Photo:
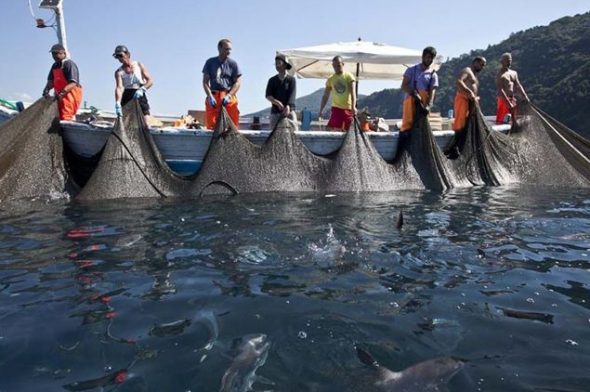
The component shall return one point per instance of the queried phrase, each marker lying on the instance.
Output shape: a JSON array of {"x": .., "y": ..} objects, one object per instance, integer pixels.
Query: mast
[{"x": 57, "y": 7}]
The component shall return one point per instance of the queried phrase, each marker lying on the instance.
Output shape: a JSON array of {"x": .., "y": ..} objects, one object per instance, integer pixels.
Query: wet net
[
  {"x": 131, "y": 165},
  {"x": 538, "y": 151},
  {"x": 284, "y": 164},
  {"x": 480, "y": 156},
  {"x": 32, "y": 156},
  {"x": 549, "y": 153}
]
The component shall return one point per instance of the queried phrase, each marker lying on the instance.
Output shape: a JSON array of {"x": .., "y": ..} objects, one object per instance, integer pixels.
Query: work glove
[
  {"x": 140, "y": 92},
  {"x": 212, "y": 101},
  {"x": 118, "y": 109},
  {"x": 45, "y": 93},
  {"x": 226, "y": 100}
]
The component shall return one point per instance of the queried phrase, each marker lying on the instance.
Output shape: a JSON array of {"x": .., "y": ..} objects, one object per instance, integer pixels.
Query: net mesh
[{"x": 539, "y": 150}]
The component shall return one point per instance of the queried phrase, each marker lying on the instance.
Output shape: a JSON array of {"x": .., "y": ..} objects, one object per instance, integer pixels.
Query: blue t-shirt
[
  {"x": 421, "y": 79},
  {"x": 222, "y": 75}
]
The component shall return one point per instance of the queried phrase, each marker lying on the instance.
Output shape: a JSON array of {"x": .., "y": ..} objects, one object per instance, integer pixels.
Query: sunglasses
[{"x": 119, "y": 56}]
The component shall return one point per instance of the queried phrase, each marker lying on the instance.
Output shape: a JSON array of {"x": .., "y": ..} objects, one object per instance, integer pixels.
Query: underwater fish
[
  {"x": 400, "y": 220},
  {"x": 428, "y": 376},
  {"x": 252, "y": 351},
  {"x": 535, "y": 316},
  {"x": 114, "y": 378}
]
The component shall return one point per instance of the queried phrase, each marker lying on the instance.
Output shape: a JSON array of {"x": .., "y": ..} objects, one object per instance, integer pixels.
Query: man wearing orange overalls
[
  {"x": 64, "y": 79},
  {"x": 221, "y": 82}
]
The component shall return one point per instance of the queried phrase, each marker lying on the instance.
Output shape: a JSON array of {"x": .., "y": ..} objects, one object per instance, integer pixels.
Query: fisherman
[
  {"x": 132, "y": 81},
  {"x": 467, "y": 92},
  {"x": 506, "y": 83},
  {"x": 342, "y": 86},
  {"x": 64, "y": 79},
  {"x": 221, "y": 82},
  {"x": 419, "y": 83},
  {"x": 281, "y": 90}
]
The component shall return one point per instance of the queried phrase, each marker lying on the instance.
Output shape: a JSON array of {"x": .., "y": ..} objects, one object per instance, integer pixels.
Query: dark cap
[
  {"x": 283, "y": 59},
  {"x": 57, "y": 48},
  {"x": 120, "y": 49}
]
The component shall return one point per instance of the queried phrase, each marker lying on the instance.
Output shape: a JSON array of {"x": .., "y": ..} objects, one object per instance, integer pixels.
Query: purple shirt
[
  {"x": 222, "y": 75},
  {"x": 420, "y": 79}
]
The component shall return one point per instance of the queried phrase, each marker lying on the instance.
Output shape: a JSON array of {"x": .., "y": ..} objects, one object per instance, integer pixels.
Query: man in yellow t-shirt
[{"x": 342, "y": 87}]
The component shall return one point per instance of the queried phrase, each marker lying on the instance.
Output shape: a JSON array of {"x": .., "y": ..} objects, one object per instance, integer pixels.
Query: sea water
[{"x": 152, "y": 295}]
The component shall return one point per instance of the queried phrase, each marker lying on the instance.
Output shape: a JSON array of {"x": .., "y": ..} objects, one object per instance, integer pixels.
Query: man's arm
[
  {"x": 236, "y": 86},
  {"x": 48, "y": 87},
  {"x": 149, "y": 82},
  {"x": 352, "y": 87},
  {"x": 406, "y": 86},
  {"x": 271, "y": 98},
  {"x": 118, "y": 87},
  {"x": 292, "y": 96},
  {"x": 325, "y": 99}
]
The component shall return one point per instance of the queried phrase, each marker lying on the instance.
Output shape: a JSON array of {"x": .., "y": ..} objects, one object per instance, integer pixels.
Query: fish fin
[
  {"x": 366, "y": 358},
  {"x": 400, "y": 220}
]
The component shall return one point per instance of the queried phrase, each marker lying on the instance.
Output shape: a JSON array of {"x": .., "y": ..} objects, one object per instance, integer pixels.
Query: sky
[{"x": 174, "y": 38}]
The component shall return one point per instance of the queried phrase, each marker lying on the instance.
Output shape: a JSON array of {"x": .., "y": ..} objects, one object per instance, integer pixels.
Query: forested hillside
[{"x": 553, "y": 63}]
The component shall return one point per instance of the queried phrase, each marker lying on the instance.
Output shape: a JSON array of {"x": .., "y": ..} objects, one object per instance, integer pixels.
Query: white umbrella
[{"x": 366, "y": 60}]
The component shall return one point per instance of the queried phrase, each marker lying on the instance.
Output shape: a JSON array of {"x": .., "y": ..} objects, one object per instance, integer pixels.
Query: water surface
[{"x": 150, "y": 295}]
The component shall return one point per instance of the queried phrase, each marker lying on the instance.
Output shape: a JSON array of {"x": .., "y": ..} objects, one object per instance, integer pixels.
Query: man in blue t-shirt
[{"x": 221, "y": 82}]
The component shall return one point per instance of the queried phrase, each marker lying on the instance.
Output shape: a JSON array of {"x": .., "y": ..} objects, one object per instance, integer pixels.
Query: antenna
[
  {"x": 50, "y": 4},
  {"x": 57, "y": 7}
]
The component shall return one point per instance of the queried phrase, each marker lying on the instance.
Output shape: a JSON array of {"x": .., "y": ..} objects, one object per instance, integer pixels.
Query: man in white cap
[{"x": 281, "y": 91}]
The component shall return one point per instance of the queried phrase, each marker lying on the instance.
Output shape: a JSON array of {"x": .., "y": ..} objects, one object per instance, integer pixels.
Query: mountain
[
  {"x": 311, "y": 102},
  {"x": 553, "y": 63}
]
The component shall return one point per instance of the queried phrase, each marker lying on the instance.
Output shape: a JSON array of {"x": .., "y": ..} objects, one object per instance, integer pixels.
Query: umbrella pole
[
  {"x": 358, "y": 71},
  {"x": 356, "y": 87}
]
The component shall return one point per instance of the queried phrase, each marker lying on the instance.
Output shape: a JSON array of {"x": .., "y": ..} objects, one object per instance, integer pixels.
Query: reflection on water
[{"x": 154, "y": 295}]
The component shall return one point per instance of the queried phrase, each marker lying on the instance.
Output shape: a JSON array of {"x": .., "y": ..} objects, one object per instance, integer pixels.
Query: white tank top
[{"x": 132, "y": 80}]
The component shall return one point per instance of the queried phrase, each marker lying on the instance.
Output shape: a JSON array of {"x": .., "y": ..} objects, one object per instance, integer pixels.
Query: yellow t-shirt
[{"x": 341, "y": 94}]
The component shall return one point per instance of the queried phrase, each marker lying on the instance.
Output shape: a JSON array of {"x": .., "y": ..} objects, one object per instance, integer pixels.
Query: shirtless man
[
  {"x": 507, "y": 84},
  {"x": 467, "y": 89}
]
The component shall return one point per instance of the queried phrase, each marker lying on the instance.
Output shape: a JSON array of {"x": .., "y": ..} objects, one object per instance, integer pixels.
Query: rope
[{"x": 137, "y": 163}]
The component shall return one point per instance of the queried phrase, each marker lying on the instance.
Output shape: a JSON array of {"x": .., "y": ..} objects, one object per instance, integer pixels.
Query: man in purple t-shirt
[
  {"x": 221, "y": 82},
  {"x": 420, "y": 84}
]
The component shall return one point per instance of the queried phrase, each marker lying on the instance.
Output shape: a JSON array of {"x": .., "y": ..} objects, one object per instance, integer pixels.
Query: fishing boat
[{"x": 185, "y": 149}]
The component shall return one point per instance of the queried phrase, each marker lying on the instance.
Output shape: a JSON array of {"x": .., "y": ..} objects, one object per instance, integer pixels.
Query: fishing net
[
  {"x": 549, "y": 153},
  {"x": 480, "y": 156},
  {"x": 131, "y": 165},
  {"x": 235, "y": 165},
  {"x": 539, "y": 150},
  {"x": 31, "y": 155}
]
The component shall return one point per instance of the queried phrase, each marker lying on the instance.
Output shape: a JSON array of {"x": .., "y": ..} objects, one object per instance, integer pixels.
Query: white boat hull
[{"x": 184, "y": 149}]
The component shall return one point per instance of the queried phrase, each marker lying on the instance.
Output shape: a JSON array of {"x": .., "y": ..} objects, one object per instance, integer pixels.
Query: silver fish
[
  {"x": 251, "y": 354},
  {"x": 428, "y": 376}
]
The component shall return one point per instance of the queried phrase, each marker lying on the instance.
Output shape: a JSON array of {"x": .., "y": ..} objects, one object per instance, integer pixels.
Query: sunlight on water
[{"x": 296, "y": 292}]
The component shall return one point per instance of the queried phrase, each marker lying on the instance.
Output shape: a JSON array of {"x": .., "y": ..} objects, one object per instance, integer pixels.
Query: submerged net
[
  {"x": 131, "y": 165},
  {"x": 31, "y": 155}
]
